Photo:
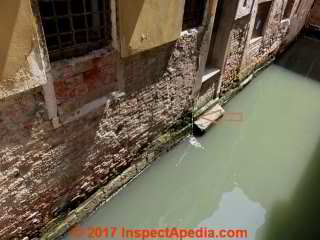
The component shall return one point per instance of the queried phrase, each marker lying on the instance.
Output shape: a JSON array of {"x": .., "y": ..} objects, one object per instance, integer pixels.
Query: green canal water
[{"x": 261, "y": 173}]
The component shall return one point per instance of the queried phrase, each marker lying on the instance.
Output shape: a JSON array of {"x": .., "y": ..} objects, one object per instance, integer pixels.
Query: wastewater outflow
[{"x": 260, "y": 173}]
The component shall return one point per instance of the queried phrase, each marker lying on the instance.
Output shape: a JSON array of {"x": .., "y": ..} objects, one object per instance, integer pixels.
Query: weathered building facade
[{"x": 89, "y": 89}]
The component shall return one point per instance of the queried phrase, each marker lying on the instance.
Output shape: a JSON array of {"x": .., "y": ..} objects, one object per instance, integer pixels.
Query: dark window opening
[
  {"x": 193, "y": 13},
  {"x": 215, "y": 29},
  {"x": 75, "y": 27},
  {"x": 261, "y": 19},
  {"x": 288, "y": 10}
]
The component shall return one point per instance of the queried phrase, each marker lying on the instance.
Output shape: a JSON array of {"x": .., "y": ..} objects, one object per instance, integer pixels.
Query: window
[
  {"x": 288, "y": 10},
  {"x": 193, "y": 13},
  {"x": 75, "y": 27},
  {"x": 261, "y": 19}
]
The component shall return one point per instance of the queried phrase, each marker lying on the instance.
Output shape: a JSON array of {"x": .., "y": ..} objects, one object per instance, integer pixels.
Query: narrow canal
[{"x": 261, "y": 173}]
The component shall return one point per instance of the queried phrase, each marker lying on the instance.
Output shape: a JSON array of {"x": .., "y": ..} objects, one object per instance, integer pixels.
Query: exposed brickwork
[
  {"x": 238, "y": 39},
  {"x": 78, "y": 83},
  {"x": 46, "y": 171},
  {"x": 315, "y": 14},
  {"x": 245, "y": 55},
  {"x": 261, "y": 50}
]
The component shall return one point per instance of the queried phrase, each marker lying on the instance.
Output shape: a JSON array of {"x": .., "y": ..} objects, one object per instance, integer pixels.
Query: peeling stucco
[{"x": 21, "y": 66}]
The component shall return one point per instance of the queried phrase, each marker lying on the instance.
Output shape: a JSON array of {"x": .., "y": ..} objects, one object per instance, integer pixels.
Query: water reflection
[
  {"x": 236, "y": 211},
  {"x": 261, "y": 173}
]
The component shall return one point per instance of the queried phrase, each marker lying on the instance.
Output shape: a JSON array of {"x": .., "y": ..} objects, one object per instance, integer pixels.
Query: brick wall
[
  {"x": 45, "y": 172},
  {"x": 258, "y": 52},
  {"x": 244, "y": 55},
  {"x": 78, "y": 82},
  {"x": 237, "y": 43}
]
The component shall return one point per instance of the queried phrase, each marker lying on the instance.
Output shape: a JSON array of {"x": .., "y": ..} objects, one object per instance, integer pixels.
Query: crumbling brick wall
[
  {"x": 237, "y": 43},
  {"x": 244, "y": 56},
  {"x": 45, "y": 172}
]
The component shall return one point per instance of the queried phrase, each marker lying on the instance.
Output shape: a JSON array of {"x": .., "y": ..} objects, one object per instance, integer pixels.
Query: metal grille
[
  {"x": 75, "y": 27},
  {"x": 193, "y": 13}
]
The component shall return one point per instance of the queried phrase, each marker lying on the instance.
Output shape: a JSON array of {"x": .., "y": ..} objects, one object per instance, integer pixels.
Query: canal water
[{"x": 258, "y": 169}]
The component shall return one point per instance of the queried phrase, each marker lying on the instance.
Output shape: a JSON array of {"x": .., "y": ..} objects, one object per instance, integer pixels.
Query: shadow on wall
[
  {"x": 50, "y": 171},
  {"x": 299, "y": 218},
  {"x": 47, "y": 163},
  {"x": 147, "y": 68},
  {"x": 303, "y": 58},
  {"x": 60, "y": 167},
  {"x": 8, "y": 16}
]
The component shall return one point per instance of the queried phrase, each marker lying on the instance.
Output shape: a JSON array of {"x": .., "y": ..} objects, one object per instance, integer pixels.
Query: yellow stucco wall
[
  {"x": 145, "y": 24},
  {"x": 20, "y": 61}
]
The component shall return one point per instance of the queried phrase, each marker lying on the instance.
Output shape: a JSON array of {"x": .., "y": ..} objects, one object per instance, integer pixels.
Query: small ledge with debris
[{"x": 206, "y": 120}]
